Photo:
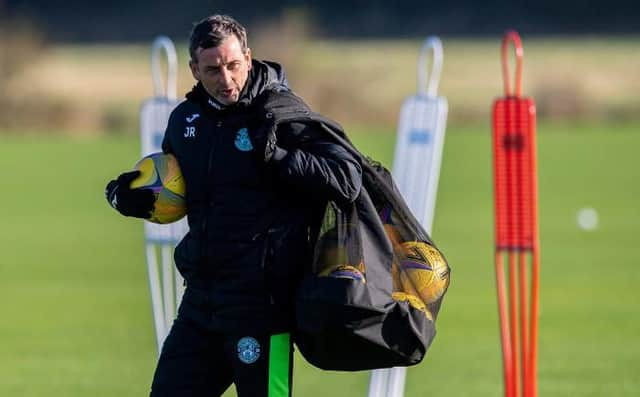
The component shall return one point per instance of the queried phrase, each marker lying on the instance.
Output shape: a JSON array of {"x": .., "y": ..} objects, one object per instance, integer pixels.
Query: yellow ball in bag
[{"x": 423, "y": 271}]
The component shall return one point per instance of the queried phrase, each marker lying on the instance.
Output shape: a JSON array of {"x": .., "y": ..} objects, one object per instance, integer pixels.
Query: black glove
[
  {"x": 130, "y": 202},
  {"x": 264, "y": 141}
]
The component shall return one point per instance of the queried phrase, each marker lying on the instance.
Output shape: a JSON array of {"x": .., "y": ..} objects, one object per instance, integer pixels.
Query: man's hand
[{"x": 130, "y": 202}]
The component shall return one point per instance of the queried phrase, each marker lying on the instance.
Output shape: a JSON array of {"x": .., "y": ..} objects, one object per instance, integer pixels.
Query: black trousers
[{"x": 196, "y": 362}]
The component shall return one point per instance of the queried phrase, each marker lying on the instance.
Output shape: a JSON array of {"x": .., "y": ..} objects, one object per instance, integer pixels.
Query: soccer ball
[
  {"x": 414, "y": 302},
  {"x": 395, "y": 277},
  {"x": 393, "y": 234},
  {"x": 332, "y": 258},
  {"x": 348, "y": 272},
  {"x": 160, "y": 172},
  {"x": 424, "y": 273}
]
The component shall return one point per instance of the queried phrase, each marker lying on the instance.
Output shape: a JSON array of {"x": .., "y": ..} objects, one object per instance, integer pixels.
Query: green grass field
[{"x": 76, "y": 317}]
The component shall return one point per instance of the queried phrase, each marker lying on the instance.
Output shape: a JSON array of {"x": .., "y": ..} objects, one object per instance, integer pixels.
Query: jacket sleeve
[
  {"x": 318, "y": 167},
  {"x": 166, "y": 144},
  {"x": 166, "y": 140}
]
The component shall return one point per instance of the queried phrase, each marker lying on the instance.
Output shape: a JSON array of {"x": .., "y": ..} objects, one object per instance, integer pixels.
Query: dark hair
[{"x": 212, "y": 31}]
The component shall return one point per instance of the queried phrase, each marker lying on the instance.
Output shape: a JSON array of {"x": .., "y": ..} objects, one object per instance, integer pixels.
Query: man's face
[{"x": 222, "y": 70}]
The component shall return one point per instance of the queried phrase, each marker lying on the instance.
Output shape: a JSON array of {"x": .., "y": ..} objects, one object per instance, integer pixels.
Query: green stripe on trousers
[{"x": 279, "y": 365}]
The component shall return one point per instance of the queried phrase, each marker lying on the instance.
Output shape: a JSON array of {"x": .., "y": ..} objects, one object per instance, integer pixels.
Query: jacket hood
[{"x": 264, "y": 75}]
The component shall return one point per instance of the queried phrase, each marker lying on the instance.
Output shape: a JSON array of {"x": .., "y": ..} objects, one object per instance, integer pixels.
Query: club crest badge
[
  {"x": 242, "y": 142},
  {"x": 248, "y": 350}
]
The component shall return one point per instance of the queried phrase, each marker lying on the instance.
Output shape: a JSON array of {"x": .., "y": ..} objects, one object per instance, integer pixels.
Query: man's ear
[
  {"x": 194, "y": 69},
  {"x": 247, "y": 55}
]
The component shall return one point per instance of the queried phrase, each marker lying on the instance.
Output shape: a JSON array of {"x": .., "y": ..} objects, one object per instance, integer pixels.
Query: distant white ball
[{"x": 587, "y": 219}]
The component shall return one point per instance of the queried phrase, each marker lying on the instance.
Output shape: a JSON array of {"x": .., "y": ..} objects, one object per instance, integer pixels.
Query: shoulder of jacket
[
  {"x": 185, "y": 109},
  {"x": 279, "y": 100}
]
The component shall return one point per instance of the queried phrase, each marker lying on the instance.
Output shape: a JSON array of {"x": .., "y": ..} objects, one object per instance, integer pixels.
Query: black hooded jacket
[{"x": 249, "y": 221}]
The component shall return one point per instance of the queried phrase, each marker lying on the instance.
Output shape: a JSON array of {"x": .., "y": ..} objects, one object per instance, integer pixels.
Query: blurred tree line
[
  {"x": 61, "y": 53},
  {"x": 120, "y": 20}
]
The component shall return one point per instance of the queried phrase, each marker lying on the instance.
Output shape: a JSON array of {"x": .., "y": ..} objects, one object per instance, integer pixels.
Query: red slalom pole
[{"x": 516, "y": 227}]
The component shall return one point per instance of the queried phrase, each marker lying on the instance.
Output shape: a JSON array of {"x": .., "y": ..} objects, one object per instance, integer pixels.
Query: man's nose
[{"x": 225, "y": 76}]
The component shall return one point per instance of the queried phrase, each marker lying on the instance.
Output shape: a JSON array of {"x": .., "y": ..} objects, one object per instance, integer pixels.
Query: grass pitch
[{"x": 76, "y": 317}]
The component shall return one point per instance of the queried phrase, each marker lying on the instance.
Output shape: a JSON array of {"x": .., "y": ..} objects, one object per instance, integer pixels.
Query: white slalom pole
[
  {"x": 168, "y": 283},
  {"x": 378, "y": 382},
  {"x": 165, "y": 284},
  {"x": 159, "y": 88},
  {"x": 416, "y": 170},
  {"x": 156, "y": 294}
]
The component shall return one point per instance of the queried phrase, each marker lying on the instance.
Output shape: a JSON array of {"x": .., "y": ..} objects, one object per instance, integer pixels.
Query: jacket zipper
[
  {"x": 266, "y": 265},
  {"x": 209, "y": 201}
]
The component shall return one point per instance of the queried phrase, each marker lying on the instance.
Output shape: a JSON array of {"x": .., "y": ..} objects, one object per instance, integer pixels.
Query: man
[{"x": 253, "y": 198}]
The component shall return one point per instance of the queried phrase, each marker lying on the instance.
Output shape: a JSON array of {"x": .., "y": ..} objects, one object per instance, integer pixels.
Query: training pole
[
  {"x": 165, "y": 284},
  {"x": 517, "y": 252},
  {"x": 416, "y": 170}
]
